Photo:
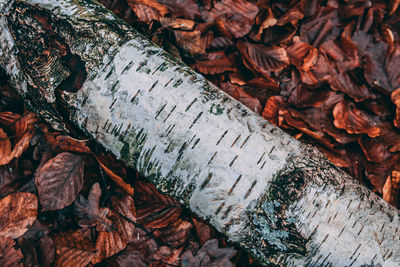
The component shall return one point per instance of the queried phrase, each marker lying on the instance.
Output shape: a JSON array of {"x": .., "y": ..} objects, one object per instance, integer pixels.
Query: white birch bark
[{"x": 279, "y": 199}]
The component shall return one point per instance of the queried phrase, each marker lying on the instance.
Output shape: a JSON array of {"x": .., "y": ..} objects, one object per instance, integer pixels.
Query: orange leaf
[{"x": 118, "y": 180}]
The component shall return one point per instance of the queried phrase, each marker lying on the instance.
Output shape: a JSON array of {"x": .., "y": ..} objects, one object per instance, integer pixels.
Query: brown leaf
[
  {"x": 165, "y": 256},
  {"x": 118, "y": 180},
  {"x": 190, "y": 42},
  {"x": 272, "y": 107},
  {"x": 18, "y": 212},
  {"x": 145, "y": 13},
  {"x": 377, "y": 172},
  {"x": 74, "y": 248},
  {"x": 373, "y": 149},
  {"x": 108, "y": 244},
  {"x": 235, "y": 21},
  {"x": 127, "y": 258},
  {"x": 5, "y": 148},
  {"x": 154, "y": 210},
  {"x": 215, "y": 66},
  {"x": 381, "y": 67},
  {"x": 391, "y": 189},
  {"x": 263, "y": 59},
  {"x": 353, "y": 120},
  {"x": 175, "y": 234},
  {"x": 59, "y": 181},
  {"x": 203, "y": 231},
  {"x": 238, "y": 92},
  {"x": 64, "y": 143},
  {"x": 396, "y": 100},
  {"x": 47, "y": 251},
  {"x": 69, "y": 257},
  {"x": 10, "y": 256},
  {"x": 179, "y": 24},
  {"x": 124, "y": 206}
]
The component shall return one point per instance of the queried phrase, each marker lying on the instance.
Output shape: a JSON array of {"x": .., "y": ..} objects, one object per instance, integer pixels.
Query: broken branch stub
[{"x": 279, "y": 199}]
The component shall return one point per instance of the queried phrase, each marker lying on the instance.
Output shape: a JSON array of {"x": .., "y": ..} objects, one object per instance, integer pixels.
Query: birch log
[{"x": 279, "y": 199}]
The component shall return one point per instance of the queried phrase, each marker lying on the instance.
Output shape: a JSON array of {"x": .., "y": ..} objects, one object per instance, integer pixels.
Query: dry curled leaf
[
  {"x": 353, "y": 120},
  {"x": 59, "y": 181},
  {"x": 18, "y": 212}
]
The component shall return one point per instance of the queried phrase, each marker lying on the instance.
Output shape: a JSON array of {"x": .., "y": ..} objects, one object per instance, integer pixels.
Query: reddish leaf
[
  {"x": 118, "y": 180},
  {"x": 262, "y": 58},
  {"x": 272, "y": 107},
  {"x": 126, "y": 207},
  {"x": 108, "y": 244},
  {"x": 165, "y": 256},
  {"x": 5, "y": 148},
  {"x": 74, "y": 248},
  {"x": 59, "y": 181},
  {"x": 396, "y": 100},
  {"x": 18, "y": 212},
  {"x": 190, "y": 42},
  {"x": 154, "y": 210},
  {"x": 215, "y": 66},
  {"x": 127, "y": 258},
  {"x": 353, "y": 120},
  {"x": 64, "y": 143},
  {"x": 391, "y": 189},
  {"x": 203, "y": 231},
  {"x": 179, "y": 24},
  {"x": 10, "y": 256},
  {"x": 175, "y": 234},
  {"x": 238, "y": 92}
]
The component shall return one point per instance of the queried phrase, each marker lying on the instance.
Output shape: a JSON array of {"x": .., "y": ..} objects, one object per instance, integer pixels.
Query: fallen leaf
[
  {"x": 175, "y": 234},
  {"x": 262, "y": 58},
  {"x": 353, "y": 120},
  {"x": 118, "y": 180},
  {"x": 10, "y": 256},
  {"x": 154, "y": 210},
  {"x": 125, "y": 208},
  {"x": 59, "y": 181},
  {"x": 18, "y": 212}
]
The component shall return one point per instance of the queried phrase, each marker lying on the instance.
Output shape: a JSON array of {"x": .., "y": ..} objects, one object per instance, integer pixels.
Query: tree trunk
[{"x": 279, "y": 199}]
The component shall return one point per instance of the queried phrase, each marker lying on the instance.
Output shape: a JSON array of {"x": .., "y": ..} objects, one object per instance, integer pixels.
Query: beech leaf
[
  {"x": 10, "y": 256},
  {"x": 59, "y": 181},
  {"x": 18, "y": 211}
]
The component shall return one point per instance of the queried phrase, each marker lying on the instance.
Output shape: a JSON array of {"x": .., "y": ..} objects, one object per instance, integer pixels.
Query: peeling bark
[{"x": 279, "y": 199}]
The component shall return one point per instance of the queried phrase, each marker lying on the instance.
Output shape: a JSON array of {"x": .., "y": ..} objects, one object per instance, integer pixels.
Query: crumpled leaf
[
  {"x": 59, "y": 181},
  {"x": 154, "y": 210},
  {"x": 166, "y": 256},
  {"x": 203, "y": 231},
  {"x": 263, "y": 59},
  {"x": 209, "y": 255},
  {"x": 354, "y": 121},
  {"x": 18, "y": 212},
  {"x": 272, "y": 107},
  {"x": 10, "y": 256},
  {"x": 240, "y": 94},
  {"x": 176, "y": 23},
  {"x": 64, "y": 143},
  {"x": 127, "y": 257}
]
